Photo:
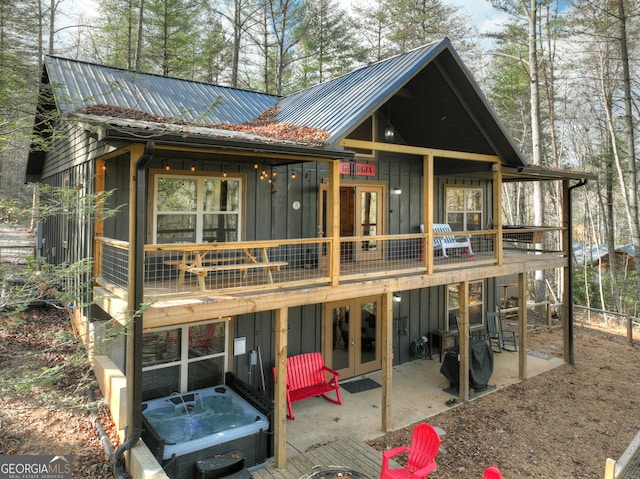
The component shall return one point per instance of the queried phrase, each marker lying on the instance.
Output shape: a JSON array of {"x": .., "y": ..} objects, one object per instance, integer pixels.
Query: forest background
[{"x": 562, "y": 76}]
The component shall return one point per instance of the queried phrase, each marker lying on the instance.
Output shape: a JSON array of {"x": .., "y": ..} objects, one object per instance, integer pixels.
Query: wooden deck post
[
  {"x": 333, "y": 218},
  {"x": 522, "y": 326},
  {"x": 427, "y": 207},
  {"x": 610, "y": 469},
  {"x": 387, "y": 360},
  {"x": 497, "y": 211},
  {"x": 280, "y": 393},
  {"x": 463, "y": 339}
]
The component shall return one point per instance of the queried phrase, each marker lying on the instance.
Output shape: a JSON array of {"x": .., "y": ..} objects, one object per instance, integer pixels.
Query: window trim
[
  {"x": 465, "y": 211},
  {"x": 482, "y": 303},
  {"x": 184, "y": 362},
  {"x": 156, "y": 173}
]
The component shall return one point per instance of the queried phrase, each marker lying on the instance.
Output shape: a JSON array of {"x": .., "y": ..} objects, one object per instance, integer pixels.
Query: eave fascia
[
  {"x": 269, "y": 148},
  {"x": 536, "y": 173}
]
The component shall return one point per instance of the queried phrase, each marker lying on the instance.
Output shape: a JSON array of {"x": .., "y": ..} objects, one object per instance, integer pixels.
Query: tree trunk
[
  {"x": 536, "y": 144},
  {"x": 138, "y": 60},
  {"x": 634, "y": 225},
  {"x": 237, "y": 37},
  {"x": 52, "y": 25},
  {"x": 608, "y": 212}
]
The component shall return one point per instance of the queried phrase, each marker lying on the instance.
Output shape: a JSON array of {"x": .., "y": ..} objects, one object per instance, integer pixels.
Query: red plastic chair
[
  {"x": 421, "y": 461},
  {"x": 492, "y": 473}
]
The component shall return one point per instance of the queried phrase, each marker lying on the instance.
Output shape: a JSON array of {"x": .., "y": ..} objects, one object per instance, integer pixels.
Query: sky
[{"x": 480, "y": 11}]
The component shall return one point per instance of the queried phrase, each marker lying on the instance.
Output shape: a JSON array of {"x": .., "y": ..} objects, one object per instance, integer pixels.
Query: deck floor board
[{"x": 345, "y": 453}]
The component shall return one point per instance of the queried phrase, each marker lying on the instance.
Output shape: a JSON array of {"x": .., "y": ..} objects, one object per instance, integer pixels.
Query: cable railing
[{"x": 181, "y": 268}]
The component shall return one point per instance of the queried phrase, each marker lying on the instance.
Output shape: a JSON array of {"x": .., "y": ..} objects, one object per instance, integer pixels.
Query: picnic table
[{"x": 201, "y": 261}]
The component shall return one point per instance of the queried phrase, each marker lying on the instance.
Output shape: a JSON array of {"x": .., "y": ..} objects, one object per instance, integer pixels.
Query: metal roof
[
  {"x": 339, "y": 105},
  {"x": 80, "y": 84},
  {"x": 427, "y": 94},
  {"x": 433, "y": 97}
]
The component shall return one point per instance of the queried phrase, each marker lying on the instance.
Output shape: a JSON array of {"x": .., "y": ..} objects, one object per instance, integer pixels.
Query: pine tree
[{"x": 325, "y": 51}]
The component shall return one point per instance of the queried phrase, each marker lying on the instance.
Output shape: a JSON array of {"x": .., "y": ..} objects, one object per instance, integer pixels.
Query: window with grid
[
  {"x": 464, "y": 208},
  {"x": 197, "y": 209},
  {"x": 475, "y": 304},
  {"x": 183, "y": 358}
]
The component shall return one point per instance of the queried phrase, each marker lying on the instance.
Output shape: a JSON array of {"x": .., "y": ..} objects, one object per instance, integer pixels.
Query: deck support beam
[
  {"x": 280, "y": 385},
  {"x": 334, "y": 221},
  {"x": 497, "y": 212},
  {"x": 463, "y": 337},
  {"x": 387, "y": 360},
  {"x": 427, "y": 207},
  {"x": 522, "y": 326}
]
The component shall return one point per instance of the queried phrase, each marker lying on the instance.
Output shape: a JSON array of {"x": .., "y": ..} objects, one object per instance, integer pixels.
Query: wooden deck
[
  {"x": 345, "y": 453},
  {"x": 249, "y": 281}
]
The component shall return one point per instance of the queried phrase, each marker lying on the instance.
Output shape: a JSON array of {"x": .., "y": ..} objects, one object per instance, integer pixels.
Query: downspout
[
  {"x": 134, "y": 338},
  {"x": 572, "y": 359}
]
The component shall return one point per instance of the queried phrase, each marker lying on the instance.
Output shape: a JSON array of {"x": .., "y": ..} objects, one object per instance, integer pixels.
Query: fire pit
[{"x": 333, "y": 472}]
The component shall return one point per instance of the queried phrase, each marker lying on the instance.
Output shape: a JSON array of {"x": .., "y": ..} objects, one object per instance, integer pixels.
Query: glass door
[
  {"x": 368, "y": 221},
  {"x": 361, "y": 215},
  {"x": 353, "y": 336}
]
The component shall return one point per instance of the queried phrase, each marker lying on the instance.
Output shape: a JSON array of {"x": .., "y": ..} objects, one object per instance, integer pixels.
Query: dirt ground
[
  {"x": 559, "y": 425},
  {"x": 44, "y": 387},
  {"x": 562, "y": 424}
]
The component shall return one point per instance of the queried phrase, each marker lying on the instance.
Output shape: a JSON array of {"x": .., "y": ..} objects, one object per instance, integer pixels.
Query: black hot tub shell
[{"x": 257, "y": 446}]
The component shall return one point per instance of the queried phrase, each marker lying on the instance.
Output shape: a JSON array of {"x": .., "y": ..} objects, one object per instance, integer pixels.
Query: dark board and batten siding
[
  {"x": 304, "y": 335},
  {"x": 270, "y": 215}
]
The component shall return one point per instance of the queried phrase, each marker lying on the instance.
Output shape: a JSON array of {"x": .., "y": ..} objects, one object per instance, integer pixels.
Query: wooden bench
[
  {"x": 192, "y": 262},
  {"x": 307, "y": 377},
  {"x": 450, "y": 241}
]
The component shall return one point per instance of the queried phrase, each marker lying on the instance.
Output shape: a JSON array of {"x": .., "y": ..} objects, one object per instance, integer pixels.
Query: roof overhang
[
  {"x": 218, "y": 140},
  {"x": 539, "y": 173}
]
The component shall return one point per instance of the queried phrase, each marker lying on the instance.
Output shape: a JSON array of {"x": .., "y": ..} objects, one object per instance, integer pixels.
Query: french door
[
  {"x": 352, "y": 336},
  {"x": 361, "y": 215}
]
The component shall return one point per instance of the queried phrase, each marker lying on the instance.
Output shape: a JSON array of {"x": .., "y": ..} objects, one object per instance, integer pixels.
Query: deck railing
[{"x": 171, "y": 269}]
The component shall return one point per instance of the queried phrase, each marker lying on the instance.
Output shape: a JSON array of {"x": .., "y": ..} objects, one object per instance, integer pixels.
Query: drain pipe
[
  {"x": 102, "y": 434},
  {"x": 134, "y": 336},
  {"x": 572, "y": 359}
]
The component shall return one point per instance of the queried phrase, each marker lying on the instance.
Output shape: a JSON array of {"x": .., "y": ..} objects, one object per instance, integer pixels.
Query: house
[
  {"x": 598, "y": 256},
  {"x": 260, "y": 227}
]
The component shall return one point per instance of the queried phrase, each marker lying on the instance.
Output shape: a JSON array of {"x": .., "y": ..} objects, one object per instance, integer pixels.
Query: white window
[
  {"x": 475, "y": 304},
  {"x": 197, "y": 209},
  {"x": 464, "y": 208},
  {"x": 183, "y": 358}
]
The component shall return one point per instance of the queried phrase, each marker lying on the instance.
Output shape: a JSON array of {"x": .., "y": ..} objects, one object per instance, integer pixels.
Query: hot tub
[{"x": 181, "y": 429}]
